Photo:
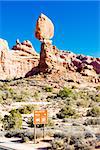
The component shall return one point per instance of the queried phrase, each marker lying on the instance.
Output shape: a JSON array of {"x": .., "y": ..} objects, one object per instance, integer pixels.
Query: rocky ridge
[{"x": 23, "y": 61}]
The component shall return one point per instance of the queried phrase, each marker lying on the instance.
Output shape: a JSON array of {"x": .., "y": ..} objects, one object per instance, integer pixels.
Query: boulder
[{"x": 44, "y": 28}]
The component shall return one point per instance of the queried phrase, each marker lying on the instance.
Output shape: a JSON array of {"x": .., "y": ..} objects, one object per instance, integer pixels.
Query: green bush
[
  {"x": 27, "y": 109},
  {"x": 61, "y": 135},
  {"x": 1, "y": 98},
  {"x": 30, "y": 122},
  {"x": 48, "y": 89},
  {"x": 24, "y": 139},
  {"x": 98, "y": 88},
  {"x": 97, "y": 98},
  {"x": 83, "y": 103},
  {"x": 94, "y": 111},
  {"x": 65, "y": 92},
  {"x": 25, "y": 135},
  {"x": 12, "y": 121},
  {"x": 50, "y": 122},
  {"x": 0, "y": 119},
  {"x": 57, "y": 144},
  {"x": 66, "y": 112},
  {"x": 82, "y": 144}
]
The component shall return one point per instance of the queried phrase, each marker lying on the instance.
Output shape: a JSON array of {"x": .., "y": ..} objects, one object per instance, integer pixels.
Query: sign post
[
  {"x": 40, "y": 117},
  {"x": 43, "y": 131},
  {"x": 34, "y": 133}
]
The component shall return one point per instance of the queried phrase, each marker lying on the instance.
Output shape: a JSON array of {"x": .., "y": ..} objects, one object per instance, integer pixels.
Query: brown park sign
[{"x": 40, "y": 116}]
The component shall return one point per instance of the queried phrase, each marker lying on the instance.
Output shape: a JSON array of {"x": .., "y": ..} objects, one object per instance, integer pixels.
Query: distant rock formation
[
  {"x": 25, "y": 46},
  {"x": 17, "y": 62},
  {"x": 23, "y": 61}
]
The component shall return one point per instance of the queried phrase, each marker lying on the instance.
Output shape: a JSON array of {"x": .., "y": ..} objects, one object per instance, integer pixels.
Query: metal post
[
  {"x": 43, "y": 131},
  {"x": 34, "y": 133}
]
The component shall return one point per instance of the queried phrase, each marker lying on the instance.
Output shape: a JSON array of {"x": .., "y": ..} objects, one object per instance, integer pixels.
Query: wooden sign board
[{"x": 40, "y": 116}]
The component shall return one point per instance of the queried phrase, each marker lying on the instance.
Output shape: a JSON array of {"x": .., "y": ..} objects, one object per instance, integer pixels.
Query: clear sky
[{"x": 77, "y": 23}]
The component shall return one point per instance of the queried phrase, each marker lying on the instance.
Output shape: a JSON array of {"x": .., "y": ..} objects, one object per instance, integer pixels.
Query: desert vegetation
[{"x": 71, "y": 110}]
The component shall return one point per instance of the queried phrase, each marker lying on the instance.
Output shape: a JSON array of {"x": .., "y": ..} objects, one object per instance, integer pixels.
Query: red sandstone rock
[
  {"x": 44, "y": 28},
  {"x": 25, "y": 46},
  {"x": 3, "y": 44},
  {"x": 96, "y": 66},
  {"x": 16, "y": 63}
]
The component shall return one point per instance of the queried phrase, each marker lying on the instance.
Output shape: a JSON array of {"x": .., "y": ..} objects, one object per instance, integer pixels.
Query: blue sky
[{"x": 76, "y": 23}]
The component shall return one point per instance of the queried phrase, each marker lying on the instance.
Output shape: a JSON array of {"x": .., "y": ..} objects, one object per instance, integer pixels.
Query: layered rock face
[
  {"x": 23, "y": 61},
  {"x": 17, "y": 62}
]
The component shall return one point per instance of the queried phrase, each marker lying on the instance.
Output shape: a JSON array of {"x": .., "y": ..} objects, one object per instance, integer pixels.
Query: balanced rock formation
[{"x": 55, "y": 60}]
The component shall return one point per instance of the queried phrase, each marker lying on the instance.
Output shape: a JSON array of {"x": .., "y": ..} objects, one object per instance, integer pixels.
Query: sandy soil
[{"x": 14, "y": 144}]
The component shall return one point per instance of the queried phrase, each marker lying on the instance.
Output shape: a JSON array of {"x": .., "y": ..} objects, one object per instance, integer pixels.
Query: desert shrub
[
  {"x": 1, "y": 98},
  {"x": 30, "y": 122},
  {"x": 0, "y": 119},
  {"x": 12, "y": 121},
  {"x": 65, "y": 92},
  {"x": 94, "y": 111},
  {"x": 72, "y": 142},
  {"x": 15, "y": 133},
  {"x": 24, "y": 133},
  {"x": 5, "y": 94},
  {"x": 97, "y": 98},
  {"x": 50, "y": 122},
  {"x": 27, "y": 109},
  {"x": 66, "y": 112},
  {"x": 24, "y": 139},
  {"x": 82, "y": 144},
  {"x": 61, "y": 135},
  {"x": 95, "y": 121},
  {"x": 57, "y": 144},
  {"x": 36, "y": 95},
  {"x": 74, "y": 138},
  {"x": 20, "y": 97},
  {"x": 48, "y": 89},
  {"x": 8, "y": 135},
  {"x": 98, "y": 88},
  {"x": 83, "y": 95},
  {"x": 74, "y": 87},
  {"x": 83, "y": 103},
  {"x": 88, "y": 135}
]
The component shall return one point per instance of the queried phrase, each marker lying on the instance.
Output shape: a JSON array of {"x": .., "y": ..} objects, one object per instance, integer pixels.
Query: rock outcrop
[
  {"x": 17, "y": 62},
  {"x": 53, "y": 59},
  {"x": 3, "y": 45},
  {"x": 25, "y": 46},
  {"x": 23, "y": 61}
]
